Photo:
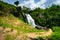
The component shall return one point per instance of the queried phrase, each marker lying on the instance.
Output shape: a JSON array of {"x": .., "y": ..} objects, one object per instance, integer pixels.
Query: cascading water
[{"x": 30, "y": 20}]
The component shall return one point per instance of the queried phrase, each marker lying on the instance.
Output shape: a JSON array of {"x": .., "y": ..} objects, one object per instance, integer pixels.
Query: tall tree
[{"x": 16, "y": 3}]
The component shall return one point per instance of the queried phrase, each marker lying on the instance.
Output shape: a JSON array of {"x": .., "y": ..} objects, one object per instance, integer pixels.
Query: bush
[
  {"x": 40, "y": 38},
  {"x": 56, "y": 35}
]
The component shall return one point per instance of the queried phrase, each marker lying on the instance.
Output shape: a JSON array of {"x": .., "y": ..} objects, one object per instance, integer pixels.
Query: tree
[
  {"x": 16, "y": 3},
  {"x": 25, "y": 9}
]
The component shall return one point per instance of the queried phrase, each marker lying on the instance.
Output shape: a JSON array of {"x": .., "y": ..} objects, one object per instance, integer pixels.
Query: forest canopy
[{"x": 44, "y": 17}]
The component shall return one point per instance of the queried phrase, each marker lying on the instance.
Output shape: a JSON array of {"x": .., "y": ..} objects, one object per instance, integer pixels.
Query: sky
[{"x": 35, "y": 3}]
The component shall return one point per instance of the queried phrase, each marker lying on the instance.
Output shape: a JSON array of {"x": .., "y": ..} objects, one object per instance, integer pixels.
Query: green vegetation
[
  {"x": 14, "y": 17},
  {"x": 48, "y": 17},
  {"x": 44, "y": 17},
  {"x": 16, "y": 3},
  {"x": 9, "y": 37},
  {"x": 21, "y": 26},
  {"x": 56, "y": 35}
]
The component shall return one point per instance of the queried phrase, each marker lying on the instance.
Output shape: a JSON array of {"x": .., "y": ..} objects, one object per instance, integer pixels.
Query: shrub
[{"x": 56, "y": 35}]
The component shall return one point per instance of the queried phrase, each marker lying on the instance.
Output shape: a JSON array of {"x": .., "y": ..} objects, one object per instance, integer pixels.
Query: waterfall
[{"x": 30, "y": 20}]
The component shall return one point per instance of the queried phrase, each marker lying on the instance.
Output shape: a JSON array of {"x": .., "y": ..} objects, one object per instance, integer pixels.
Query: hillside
[
  {"x": 12, "y": 26},
  {"x": 13, "y": 22}
]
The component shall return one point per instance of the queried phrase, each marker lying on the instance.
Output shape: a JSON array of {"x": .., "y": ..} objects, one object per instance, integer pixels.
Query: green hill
[
  {"x": 11, "y": 25},
  {"x": 13, "y": 28},
  {"x": 15, "y": 23},
  {"x": 7, "y": 19}
]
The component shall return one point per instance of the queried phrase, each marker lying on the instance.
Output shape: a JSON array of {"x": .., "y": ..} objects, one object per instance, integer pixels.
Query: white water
[{"x": 30, "y": 20}]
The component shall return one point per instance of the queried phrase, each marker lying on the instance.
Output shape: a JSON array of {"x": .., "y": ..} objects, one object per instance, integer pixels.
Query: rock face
[{"x": 40, "y": 27}]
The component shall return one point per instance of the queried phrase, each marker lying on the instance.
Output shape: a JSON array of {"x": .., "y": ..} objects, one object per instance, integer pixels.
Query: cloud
[
  {"x": 31, "y": 4},
  {"x": 49, "y": 3},
  {"x": 42, "y": 3},
  {"x": 57, "y": 2},
  {"x": 35, "y": 3}
]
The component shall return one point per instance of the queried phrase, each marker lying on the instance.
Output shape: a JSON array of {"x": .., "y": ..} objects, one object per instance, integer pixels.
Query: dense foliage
[
  {"x": 7, "y": 9},
  {"x": 44, "y": 17},
  {"x": 47, "y": 17}
]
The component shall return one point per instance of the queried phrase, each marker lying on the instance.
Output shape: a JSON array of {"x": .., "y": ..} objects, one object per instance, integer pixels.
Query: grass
[
  {"x": 55, "y": 36},
  {"x": 56, "y": 29},
  {"x": 56, "y": 33},
  {"x": 15, "y": 23},
  {"x": 9, "y": 37}
]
